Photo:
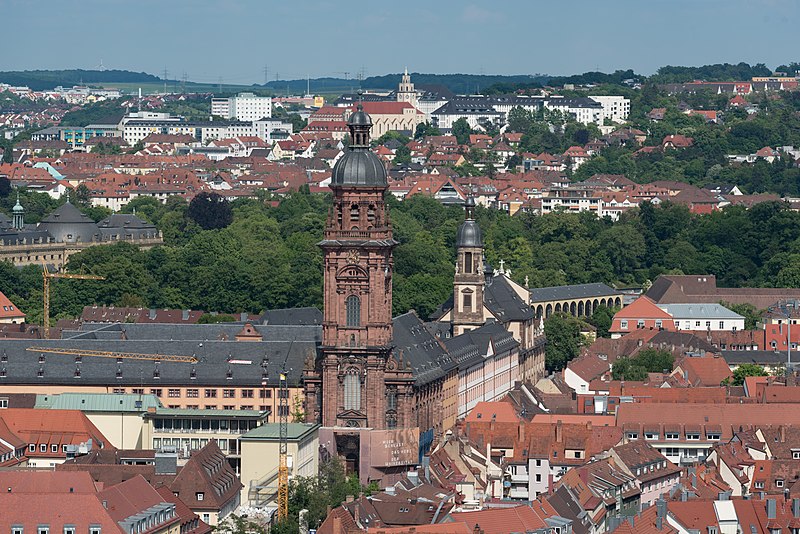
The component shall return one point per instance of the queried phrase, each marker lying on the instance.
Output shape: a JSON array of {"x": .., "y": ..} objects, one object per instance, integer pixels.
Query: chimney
[
  {"x": 348, "y": 498},
  {"x": 771, "y": 508},
  {"x": 152, "y": 314},
  {"x": 105, "y": 504},
  {"x": 782, "y": 431},
  {"x": 661, "y": 513},
  {"x": 796, "y": 508},
  {"x": 184, "y": 315},
  {"x": 522, "y": 432},
  {"x": 559, "y": 431}
]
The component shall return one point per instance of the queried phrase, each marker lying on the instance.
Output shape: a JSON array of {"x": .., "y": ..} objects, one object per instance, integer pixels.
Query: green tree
[
  {"x": 564, "y": 340},
  {"x": 751, "y": 314},
  {"x": 210, "y": 211},
  {"x": 601, "y": 319},
  {"x": 461, "y": 129},
  {"x": 645, "y": 361},
  {"x": 745, "y": 370}
]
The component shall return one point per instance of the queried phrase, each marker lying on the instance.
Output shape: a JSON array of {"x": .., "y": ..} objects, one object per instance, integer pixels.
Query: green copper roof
[
  {"x": 216, "y": 414},
  {"x": 97, "y": 402},
  {"x": 271, "y": 431}
]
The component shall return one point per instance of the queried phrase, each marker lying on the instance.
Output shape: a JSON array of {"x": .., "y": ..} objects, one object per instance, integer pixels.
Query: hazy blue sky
[{"x": 236, "y": 39}]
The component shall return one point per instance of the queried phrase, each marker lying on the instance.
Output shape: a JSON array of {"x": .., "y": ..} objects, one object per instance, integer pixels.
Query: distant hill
[
  {"x": 41, "y": 80},
  {"x": 457, "y": 83}
]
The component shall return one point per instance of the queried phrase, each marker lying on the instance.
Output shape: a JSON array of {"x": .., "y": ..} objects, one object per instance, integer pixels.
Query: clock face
[{"x": 353, "y": 256}]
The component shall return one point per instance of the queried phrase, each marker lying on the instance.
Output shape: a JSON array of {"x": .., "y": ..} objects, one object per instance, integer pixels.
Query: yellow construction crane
[
  {"x": 283, "y": 468},
  {"x": 117, "y": 355},
  {"x": 47, "y": 275}
]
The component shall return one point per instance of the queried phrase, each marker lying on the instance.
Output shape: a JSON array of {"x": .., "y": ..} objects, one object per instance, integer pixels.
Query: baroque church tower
[
  {"x": 468, "y": 283},
  {"x": 406, "y": 91},
  {"x": 356, "y": 381}
]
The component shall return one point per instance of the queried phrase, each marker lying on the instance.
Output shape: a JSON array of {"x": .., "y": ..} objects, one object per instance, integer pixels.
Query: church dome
[
  {"x": 68, "y": 225},
  {"x": 469, "y": 233},
  {"x": 359, "y": 167}
]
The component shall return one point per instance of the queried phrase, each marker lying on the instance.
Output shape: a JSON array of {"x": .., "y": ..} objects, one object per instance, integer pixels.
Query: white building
[
  {"x": 702, "y": 316},
  {"x": 243, "y": 107},
  {"x": 584, "y": 110},
  {"x": 615, "y": 108}
]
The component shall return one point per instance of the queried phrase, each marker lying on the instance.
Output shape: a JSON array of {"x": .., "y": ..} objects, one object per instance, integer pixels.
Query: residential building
[
  {"x": 615, "y": 108},
  {"x": 643, "y": 313},
  {"x": 246, "y": 107},
  {"x": 118, "y": 417},
  {"x": 655, "y": 475},
  {"x": 53, "y": 436},
  {"x": 686, "y": 433},
  {"x": 9, "y": 313},
  {"x": 706, "y": 317}
]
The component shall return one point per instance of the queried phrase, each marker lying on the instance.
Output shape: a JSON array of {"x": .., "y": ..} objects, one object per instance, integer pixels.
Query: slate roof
[
  {"x": 22, "y": 367},
  {"x": 428, "y": 358},
  {"x": 700, "y": 311},
  {"x": 580, "y": 291},
  {"x": 504, "y": 303},
  {"x": 293, "y": 316}
]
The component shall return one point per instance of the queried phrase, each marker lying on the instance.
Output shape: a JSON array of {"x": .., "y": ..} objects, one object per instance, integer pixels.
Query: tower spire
[{"x": 18, "y": 212}]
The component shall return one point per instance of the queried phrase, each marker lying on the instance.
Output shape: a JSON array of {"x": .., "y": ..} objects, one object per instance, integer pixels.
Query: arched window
[
  {"x": 352, "y": 391},
  {"x": 353, "y": 304},
  {"x": 354, "y": 212}
]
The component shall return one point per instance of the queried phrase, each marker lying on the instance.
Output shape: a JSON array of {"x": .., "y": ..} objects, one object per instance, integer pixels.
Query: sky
[{"x": 236, "y": 40}]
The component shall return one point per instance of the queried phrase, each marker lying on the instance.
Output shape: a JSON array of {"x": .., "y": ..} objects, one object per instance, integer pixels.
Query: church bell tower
[
  {"x": 468, "y": 283},
  {"x": 356, "y": 382}
]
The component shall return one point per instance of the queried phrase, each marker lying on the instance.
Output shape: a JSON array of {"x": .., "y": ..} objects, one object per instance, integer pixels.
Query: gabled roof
[
  {"x": 8, "y": 310},
  {"x": 207, "y": 472}
]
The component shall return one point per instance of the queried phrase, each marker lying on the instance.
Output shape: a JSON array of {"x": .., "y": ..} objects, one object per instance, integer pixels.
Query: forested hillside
[{"x": 267, "y": 257}]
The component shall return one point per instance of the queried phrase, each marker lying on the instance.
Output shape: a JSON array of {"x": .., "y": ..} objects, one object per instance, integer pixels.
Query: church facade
[{"x": 385, "y": 388}]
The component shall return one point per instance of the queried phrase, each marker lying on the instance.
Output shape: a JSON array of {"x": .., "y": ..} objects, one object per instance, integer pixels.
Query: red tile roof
[
  {"x": 502, "y": 520},
  {"x": 8, "y": 310},
  {"x": 500, "y": 412}
]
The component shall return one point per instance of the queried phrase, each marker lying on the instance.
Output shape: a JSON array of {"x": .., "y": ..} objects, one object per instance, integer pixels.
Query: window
[
  {"x": 284, "y": 410},
  {"x": 228, "y": 393},
  {"x": 633, "y": 435},
  {"x": 467, "y": 302},
  {"x": 95, "y": 529},
  {"x": 538, "y": 477},
  {"x": 200, "y": 495},
  {"x": 640, "y": 323},
  {"x": 17, "y": 529},
  {"x": 352, "y": 390},
  {"x": 211, "y": 393},
  {"x": 173, "y": 393},
  {"x": 697, "y": 323},
  {"x": 53, "y": 448},
  {"x": 693, "y": 436},
  {"x": 623, "y": 324},
  {"x": 265, "y": 394},
  {"x": 156, "y": 391},
  {"x": 795, "y": 455},
  {"x": 43, "y": 447},
  {"x": 650, "y": 435},
  {"x": 658, "y": 323},
  {"x": 779, "y": 483},
  {"x": 32, "y": 447},
  {"x": 137, "y": 391},
  {"x": 69, "y": 529},
  {"x": 246, "y": 407},
  {"x": 712, "y": 436},
  {"x": 247, "y": 393},
  {"x": 228, "y": 407},
  {"x": 193, "y": 393},
  {"x": 353, "y": 305},
  {"x": 759, "y": 484},
  {"x": 708, "y": 324},
  {"x": 722, "y": 325},
  {"x": 43, "y": 529},
  {"x": 468, "y": 262}
]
